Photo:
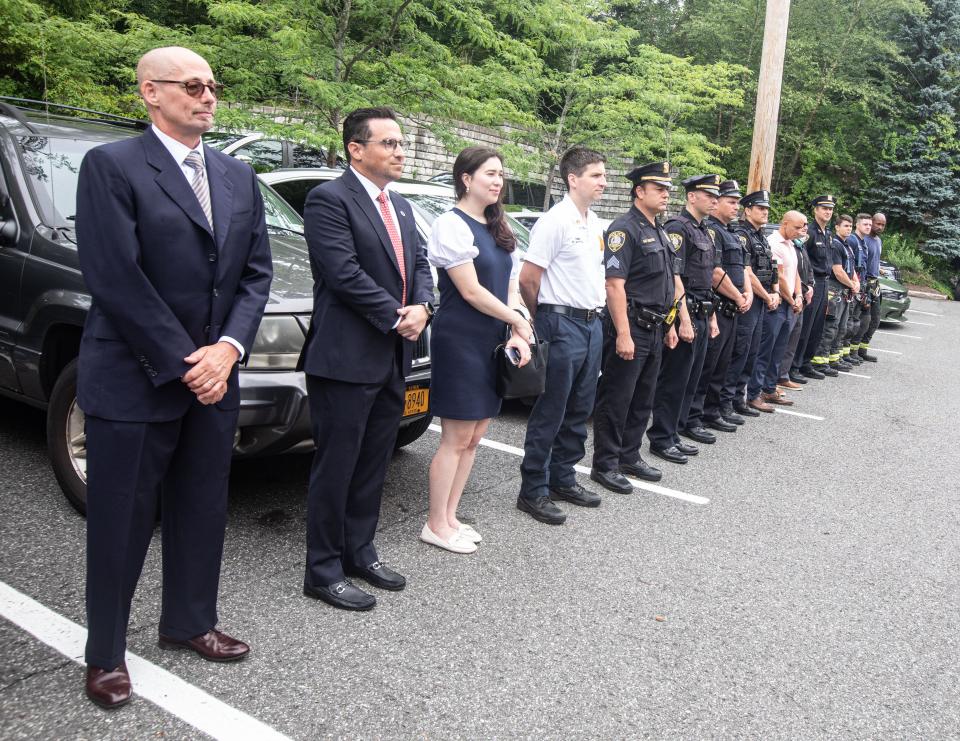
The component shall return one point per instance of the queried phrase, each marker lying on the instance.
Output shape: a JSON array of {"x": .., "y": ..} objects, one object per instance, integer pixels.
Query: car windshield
[
  {"x": 53, "y": 166},
  {"x": 278, "y": 214},
  {"x": 220, "y": 140},
  {"x": 431, "y": 206}
]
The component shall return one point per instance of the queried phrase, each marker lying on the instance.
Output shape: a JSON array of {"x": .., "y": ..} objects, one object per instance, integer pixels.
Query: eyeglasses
[
  {"x": 389, "y": 144},
  {"x": 195, "y": 88}
]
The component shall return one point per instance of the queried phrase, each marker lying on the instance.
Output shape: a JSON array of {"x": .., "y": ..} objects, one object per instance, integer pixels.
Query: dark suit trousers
[
  {"x": 183, "y": 466},
  {"x": 355, "y": 429}
]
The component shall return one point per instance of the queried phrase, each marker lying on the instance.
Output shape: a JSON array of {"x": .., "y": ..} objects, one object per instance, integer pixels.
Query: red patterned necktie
[{"x": 395, "y": 239}]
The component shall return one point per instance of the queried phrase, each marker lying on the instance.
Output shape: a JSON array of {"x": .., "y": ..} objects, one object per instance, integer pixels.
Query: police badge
[
  {"x": 677, "y": 240},
  {"x": 615, "y": 240}
]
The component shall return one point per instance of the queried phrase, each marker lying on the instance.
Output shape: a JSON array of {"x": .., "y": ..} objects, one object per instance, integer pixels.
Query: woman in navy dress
[{"x": 474, "y": 251}]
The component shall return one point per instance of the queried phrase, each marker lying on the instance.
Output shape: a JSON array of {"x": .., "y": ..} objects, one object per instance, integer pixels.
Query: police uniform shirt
[
  {"x": 570, "y": 251},
  {"x": 694, "y": 253},
  {"x": 641, "y": 253},
  {"x": 818, "y": 248},
  {"x": 728, "y": 248}
]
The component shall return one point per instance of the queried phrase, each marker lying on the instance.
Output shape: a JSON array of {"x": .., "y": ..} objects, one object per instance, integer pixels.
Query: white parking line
[
  {"x": 889, "y": 352},
  {"x": 921, "y": 324},
  {"x": 925, "y": 313},
  {"x": 855, "y": 375},
  {"x": 900, "y": 334},
  {"x": 778, "y": 410},
  {"x": 654, "y": 488},
  {"x": 191, "y": 704}
]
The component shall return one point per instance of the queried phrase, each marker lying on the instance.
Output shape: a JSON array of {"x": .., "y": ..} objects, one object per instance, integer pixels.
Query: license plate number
[{"x": 416, "y": 401}]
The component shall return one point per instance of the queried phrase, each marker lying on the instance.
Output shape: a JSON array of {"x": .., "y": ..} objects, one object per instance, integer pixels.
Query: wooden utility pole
[{"x": 768, "y": 95}]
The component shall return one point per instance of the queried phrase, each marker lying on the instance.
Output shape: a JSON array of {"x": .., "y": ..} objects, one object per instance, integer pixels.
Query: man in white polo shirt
[{"x": 563, "y": 286}]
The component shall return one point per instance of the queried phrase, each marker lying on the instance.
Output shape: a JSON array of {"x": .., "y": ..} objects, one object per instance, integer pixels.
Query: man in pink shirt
[{"x": 778, "y": 322}]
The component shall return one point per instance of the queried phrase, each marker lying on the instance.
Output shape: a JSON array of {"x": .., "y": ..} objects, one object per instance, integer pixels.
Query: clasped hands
[
  {"x": 521, "y": 336},
  {"x": 211, "y": 369},
  {"x": 413, "y": 320}
]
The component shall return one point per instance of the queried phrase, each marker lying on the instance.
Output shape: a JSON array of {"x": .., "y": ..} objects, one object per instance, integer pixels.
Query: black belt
[{"x": 587, "y": 315}]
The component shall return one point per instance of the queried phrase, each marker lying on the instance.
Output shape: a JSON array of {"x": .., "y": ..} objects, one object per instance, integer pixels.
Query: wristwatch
[{"x": 428, "y": 307}]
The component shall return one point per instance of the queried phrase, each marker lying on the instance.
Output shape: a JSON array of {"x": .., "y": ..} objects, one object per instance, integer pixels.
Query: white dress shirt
[{"x": 179, "y": 151}]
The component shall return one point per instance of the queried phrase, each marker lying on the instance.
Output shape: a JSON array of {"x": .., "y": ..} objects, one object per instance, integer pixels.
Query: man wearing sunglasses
[{"x": 173, "y": 248}]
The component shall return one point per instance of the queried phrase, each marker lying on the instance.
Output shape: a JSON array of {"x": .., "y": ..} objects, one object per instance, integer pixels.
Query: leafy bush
[{"x": 902, "y": 251}]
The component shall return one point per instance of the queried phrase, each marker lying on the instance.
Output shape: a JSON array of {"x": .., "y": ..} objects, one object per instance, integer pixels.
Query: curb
[{"x": 925, "y": 294}]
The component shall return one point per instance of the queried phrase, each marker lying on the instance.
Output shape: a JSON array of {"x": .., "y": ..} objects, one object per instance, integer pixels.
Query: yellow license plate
[{"x": 416, "y": 401}]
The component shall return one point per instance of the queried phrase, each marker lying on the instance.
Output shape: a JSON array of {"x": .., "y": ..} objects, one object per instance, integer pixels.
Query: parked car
[
  {"x": 265, "y": 153},
  {"x": 894, "y": 300},
  {"x": 44, "y": 302},
  {"x": 527, "y": 217},
  {"x": 429, "y": 199},
  {"x": 889, "y": 270}
]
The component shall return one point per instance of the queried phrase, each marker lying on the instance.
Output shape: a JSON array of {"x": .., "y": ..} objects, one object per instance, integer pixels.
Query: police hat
[
  {"x": 655, "y": 172},
  {"x": 730, "y": 188},
  {"x": 757, "y": 198},
  {"x": 707, "y": 183},
  {"x": 826, "y": 200}
]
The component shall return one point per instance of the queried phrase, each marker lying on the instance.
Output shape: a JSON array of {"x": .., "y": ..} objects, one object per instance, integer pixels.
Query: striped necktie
[
  {"x": 394, "y": 239},
  {"x": 199, "y": 183}
]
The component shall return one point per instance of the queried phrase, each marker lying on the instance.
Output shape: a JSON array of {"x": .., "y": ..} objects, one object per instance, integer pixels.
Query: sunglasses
[{"x": 195, "y": 88}]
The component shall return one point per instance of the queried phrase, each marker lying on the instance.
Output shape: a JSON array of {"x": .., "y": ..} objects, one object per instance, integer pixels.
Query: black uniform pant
[
  {"x": 872, "y": 325},
  {"x": 834, "y": 322},
  {"x": 354, "y": 429},
  {"x": 810, "y": 337},
  {"x": 854, "y": 334},
  {"x": 184, "y": 466},
  {"x": 746, "y": 345},
  {"x": 625, "y": 398},
  {"x": 706, "y": 401},
  {"x": 676, "y": 385}
]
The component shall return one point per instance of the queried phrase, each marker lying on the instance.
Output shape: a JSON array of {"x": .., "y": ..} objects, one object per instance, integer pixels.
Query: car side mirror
[{"x": 9, "y": 229}]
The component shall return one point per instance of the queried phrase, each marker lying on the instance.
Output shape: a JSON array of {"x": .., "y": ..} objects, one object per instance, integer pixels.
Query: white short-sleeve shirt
[
  {"x": 451, "y": 244},
  {"x": 569, "y": 248}
]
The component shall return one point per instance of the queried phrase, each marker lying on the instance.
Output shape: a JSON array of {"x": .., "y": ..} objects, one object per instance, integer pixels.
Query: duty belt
[
  {"x": 644, "y": 317},
  {"x": 700, "y": 308},
  {"x": 726, "y": 307},
  {"x": 587, "y": 315}
]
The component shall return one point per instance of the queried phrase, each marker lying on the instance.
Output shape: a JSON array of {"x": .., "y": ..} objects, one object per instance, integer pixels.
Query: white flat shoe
[
  {"x": 456, "y": 544},
  {"x": 468, "y": 533}
]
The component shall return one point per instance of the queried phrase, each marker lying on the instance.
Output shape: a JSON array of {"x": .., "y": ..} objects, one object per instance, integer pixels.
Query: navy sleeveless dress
[{"x": 463, "y": 340}]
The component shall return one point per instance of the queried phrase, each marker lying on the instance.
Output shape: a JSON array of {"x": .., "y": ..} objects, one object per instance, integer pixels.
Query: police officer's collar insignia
[
  {"x": 615, "y": 240},
  {"x": 677, "y": 240}
]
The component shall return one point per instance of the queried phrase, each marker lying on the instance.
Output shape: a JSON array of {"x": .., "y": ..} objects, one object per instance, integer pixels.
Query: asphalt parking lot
[{"x": 800, "y": 578}]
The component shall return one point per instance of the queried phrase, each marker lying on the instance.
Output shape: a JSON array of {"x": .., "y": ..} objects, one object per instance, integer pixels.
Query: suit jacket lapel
[
  {"x": 170, "y": 178},
  {"x": 221, "y": 196},
  {"x": 373, "y": 213}
]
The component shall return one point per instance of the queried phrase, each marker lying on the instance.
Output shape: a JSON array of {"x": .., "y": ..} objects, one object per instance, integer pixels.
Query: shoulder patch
[
  {"x": 615, "y": 240},
  {"x": 713, "y": 234},
  {"x": 743, "y": 240},
  {"x": 677, "y": 240}
]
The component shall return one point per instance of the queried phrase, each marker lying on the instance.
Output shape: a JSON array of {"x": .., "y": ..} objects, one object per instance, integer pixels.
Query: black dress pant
[
  {"x": 625, "y": 398},
  {"x": 183, "y": 465},
  {"x": 706, "y": 402},
  {"x": 354, "y": 429},
  {"x": 676, "y": 385},
  {"x": 812, "y": 324}
]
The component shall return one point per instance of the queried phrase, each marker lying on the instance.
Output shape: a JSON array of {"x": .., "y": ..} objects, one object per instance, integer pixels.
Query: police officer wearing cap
[
  {"x": 640, "y": 283},
  {"x": 734, "y": 297},
  {"x": 762, "y": 274},
  {"x": 694, "y": 261},
  {"x": 818, "y": 248}
]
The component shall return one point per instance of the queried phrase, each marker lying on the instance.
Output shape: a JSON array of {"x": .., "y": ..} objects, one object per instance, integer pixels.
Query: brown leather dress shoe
[
  {"x": 109, "y": 688},
  {"x": 212, "y": 646},
  {"x": 776, "y": 398},
  {"x": 788, "y": 384},
  {"x": 759, "y": 405}
]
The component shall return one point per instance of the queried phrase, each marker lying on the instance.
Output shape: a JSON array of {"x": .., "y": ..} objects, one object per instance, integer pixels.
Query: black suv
[{"x": 43, "y": 300}]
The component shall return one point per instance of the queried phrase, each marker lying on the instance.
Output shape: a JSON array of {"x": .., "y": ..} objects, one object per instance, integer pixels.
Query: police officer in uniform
[
  {"x": 814, "y": 315},
  {"x": 733, "y": 297},
  {"x": 694, "y": 261},
  {"x": 759, "y": 268},
  {"x": 638, "y": 257}
]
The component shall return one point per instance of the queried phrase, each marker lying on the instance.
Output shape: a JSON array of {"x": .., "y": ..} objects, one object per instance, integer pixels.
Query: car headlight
[{"x": 278, "y": 343}]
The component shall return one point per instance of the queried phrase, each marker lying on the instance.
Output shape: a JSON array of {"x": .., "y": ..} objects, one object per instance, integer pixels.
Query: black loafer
[
  {"x": 612, "y": 480},
  {"x": 641, "y": 470},
  {"x": 671, "y": 454},
  {"x": 686, "y": 448},
  {"x": 378, "y": 575},
  {"x": 742, "y": 408},
  {"x": 721, "y": 424},
  {"x": 797, "y": 377},
  {"x": 342, "y": 594},
  {"x": 576, "y": 494},
  {"x": 542, "y": 510},
  {"x": 731, "y": 416}
]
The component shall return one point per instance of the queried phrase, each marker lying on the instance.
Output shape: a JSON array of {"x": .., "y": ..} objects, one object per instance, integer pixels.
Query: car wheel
[
  {"x": 66, "y": 439},
  {"x": 413, "y": 431}
]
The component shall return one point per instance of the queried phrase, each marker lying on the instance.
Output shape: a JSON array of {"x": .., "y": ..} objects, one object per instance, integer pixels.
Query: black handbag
[{"x": 514, "y": 382}]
